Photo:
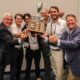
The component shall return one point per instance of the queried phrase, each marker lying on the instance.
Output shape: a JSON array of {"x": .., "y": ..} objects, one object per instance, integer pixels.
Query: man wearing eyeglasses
[{"x": 7, "y": 49}]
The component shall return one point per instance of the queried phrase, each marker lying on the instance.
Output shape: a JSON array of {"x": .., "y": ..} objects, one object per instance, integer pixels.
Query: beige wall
[{"x": 23, "y": 6}]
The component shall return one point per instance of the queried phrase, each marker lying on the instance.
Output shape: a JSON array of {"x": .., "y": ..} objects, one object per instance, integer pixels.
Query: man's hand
[
  {"x": 17, "y": 35},
  {"x": 53, "y": 39},
  {"x": 23, "y": 36},
  {"x": 26, "y": 31},
  {"x": 44, "y": 35}
]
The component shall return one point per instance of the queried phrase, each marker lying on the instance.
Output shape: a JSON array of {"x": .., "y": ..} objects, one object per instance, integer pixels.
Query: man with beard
[{"x": 56, "y": 27}]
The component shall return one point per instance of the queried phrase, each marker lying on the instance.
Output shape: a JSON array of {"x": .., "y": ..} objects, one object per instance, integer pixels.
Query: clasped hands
[
  {"x": 53, "y": 38},
  {"x": 24, "y": 34}
]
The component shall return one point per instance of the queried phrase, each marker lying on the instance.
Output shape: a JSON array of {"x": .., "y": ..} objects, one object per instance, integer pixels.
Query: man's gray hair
[{"x": 7, "y": 14}]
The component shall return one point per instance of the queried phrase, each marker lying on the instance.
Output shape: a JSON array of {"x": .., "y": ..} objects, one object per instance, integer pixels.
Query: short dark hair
[
  {"x": 72, "y": 15},
  {"x": 26, "y": 14},
  {"x": 55, "y": 7},
  {"x": 18, "y": 14}
]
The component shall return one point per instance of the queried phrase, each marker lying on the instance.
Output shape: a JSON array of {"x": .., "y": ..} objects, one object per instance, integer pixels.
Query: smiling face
[
  {"x": 54, "y": 13},
  {"x": 27, "y": 19},
  {"x": 8, "y": 20},
  {"x": 71, "y": 22},
  {"x": 18, "y": 20},
  {"x": 44, "y": 13}
]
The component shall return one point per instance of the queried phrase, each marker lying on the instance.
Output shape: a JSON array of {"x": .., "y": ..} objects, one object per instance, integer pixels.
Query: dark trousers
[
  {"x": 19, "y": 62},
  {"x": 47, "y": 64},
  {"x": 12, "y": 72},
  {"x": 12, "y": 62},
  {"x": 30, "y": 55}
]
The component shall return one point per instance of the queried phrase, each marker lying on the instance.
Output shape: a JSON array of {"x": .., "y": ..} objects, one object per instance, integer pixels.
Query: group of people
[{"x": 59, "y": 42}]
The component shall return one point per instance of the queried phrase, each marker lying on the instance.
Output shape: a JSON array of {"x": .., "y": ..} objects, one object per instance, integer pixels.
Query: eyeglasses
[{"x": 9, "y": 19}]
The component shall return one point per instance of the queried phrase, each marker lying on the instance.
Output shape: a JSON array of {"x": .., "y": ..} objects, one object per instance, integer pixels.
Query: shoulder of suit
[
  {"x": 78, "y": 29},
  {"x": 2, "y": 26},
  {"x": 24, "y": 27}
]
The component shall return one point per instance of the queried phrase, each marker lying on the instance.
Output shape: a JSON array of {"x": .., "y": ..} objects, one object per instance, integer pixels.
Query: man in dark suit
[
  {"x": 45, "y": 47},
  {"x": 70, "y": 43},
  {"x": 7, "y": 49}
]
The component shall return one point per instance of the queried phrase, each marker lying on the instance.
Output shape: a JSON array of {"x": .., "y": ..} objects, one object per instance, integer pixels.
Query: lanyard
[{"x": 52, "y": 29}]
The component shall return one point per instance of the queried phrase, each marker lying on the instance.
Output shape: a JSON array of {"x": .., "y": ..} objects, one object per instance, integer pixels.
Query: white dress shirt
[
  {"x": 33, "y": 42},
  {"x": 14, "y": 30},
  {"x": 56, "y": 28}
]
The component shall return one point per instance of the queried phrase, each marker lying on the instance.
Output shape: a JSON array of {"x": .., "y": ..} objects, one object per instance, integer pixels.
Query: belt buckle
[{"x": 56, "y": 49}]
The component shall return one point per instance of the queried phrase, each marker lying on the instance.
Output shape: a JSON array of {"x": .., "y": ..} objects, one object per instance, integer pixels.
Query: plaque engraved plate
[{"x": 37, "y": 26}]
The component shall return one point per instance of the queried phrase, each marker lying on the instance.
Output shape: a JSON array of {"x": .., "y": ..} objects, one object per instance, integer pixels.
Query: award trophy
[{"x": 37, "y": 26}]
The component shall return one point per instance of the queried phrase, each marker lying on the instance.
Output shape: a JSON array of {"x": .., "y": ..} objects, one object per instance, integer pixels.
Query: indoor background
[{"x": 24, "y": 6}]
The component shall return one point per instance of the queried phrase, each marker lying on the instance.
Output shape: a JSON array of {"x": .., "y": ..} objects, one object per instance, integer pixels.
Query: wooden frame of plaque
[{"x": 37, "y": 26}]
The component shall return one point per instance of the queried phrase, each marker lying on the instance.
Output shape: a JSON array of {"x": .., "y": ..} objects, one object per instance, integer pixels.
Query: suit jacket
[
  {"x": 71, "y": 46},
  {"x": 24, "y": 27},
  {"x": 7, "y": 43}
]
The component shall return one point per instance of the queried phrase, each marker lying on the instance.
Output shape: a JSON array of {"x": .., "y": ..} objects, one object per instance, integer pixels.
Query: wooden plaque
[{"x": 37, "y": 26}]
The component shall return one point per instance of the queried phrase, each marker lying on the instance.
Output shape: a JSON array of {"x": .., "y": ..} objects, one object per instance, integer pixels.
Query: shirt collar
[
  {"x": 70, "y": 31},
  {"x": 58, "y": 22},
  {"x": 9, "y": 29}
]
